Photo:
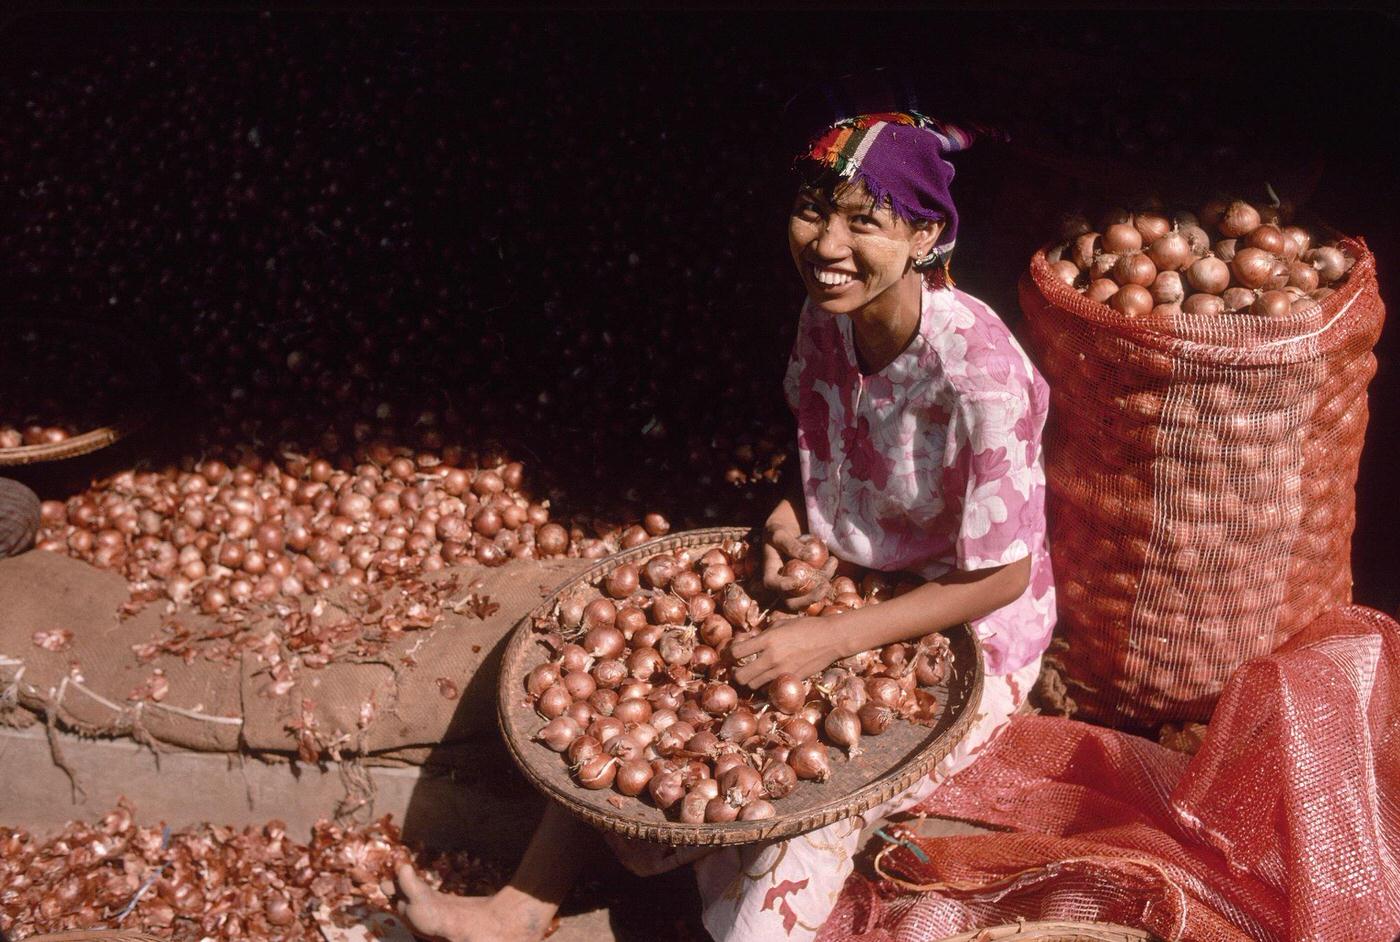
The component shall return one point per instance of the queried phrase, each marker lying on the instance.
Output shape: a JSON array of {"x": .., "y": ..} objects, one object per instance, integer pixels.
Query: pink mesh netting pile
[{"x": 1285, "y": 826}]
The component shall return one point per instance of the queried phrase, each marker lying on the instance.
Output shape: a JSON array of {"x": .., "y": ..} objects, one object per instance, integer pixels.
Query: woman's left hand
[{"x": 801, "y": 646}]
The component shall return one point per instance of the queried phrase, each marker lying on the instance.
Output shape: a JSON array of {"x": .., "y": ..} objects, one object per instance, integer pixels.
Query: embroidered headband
[{"x": 898, "y": 156}]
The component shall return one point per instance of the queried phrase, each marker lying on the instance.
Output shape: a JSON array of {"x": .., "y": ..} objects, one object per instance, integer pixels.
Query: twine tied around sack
[{"x": 127, "y": 719}]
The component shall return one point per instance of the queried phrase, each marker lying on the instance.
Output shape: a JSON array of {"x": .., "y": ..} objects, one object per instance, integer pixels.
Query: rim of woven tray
[
  {"x": 135, "y": 415},
  {"x": 737, "y": 832},
  {"x": 1328, "y": 326},
  {"x": 83, "y": 444},
  {"x": 1053, "y": 931}
]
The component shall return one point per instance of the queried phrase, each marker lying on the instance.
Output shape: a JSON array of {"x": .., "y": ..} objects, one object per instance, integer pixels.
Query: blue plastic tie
[{"x": 914, "y": 849}]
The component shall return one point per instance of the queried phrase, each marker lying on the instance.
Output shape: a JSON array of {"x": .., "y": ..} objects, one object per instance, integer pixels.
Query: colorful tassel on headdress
[
  {"x": 938, "y": 271},
  {"x": 942, "y": 276}
]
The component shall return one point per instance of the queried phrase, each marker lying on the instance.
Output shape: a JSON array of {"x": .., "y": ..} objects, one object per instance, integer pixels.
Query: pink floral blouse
[{"x": 934, "y": 462}]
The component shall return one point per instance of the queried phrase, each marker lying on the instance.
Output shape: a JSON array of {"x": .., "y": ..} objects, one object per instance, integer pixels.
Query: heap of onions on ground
[
  {"x": 638, "y": 693},
  {"x": 208, "y": 881},
  {"x": 215, "y": 536},
  {"x": 1230, "y": 256}
]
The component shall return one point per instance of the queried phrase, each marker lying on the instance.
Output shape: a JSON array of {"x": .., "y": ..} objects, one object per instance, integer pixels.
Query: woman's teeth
[{"x": 831, "y": 278}]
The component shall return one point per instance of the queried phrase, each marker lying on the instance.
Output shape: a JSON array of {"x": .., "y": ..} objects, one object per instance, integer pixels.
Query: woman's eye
[
  {"x": 865, "y": 220},
  {"x": 807, "y": 208}
]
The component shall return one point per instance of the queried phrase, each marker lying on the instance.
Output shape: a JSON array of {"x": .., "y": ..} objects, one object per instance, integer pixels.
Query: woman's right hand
[{"x": 780, "y": 543}]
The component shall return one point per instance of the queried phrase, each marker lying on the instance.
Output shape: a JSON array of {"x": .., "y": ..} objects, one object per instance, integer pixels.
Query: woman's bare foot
[
  {"x": 507, "y": 915},
  {"x": 522, "y": 910}
]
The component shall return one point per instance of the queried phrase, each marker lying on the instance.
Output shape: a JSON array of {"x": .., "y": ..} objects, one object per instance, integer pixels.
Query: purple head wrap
[{"x": 898, "y": 156}]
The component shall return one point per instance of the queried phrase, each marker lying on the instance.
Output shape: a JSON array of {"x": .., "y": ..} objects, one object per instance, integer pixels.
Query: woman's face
[{"x": 849, "y": 252}]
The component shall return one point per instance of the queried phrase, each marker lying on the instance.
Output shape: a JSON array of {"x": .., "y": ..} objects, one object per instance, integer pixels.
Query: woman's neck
[{"x": 885, "y": 327}]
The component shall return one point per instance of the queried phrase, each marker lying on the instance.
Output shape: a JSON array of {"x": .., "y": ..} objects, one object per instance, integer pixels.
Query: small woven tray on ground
[
  {"x": 124, "y": 354},
  {"x": 72, "y": 447},
  {"x": 1055, "y": 932},
  {"x": 889, "y": 764}
]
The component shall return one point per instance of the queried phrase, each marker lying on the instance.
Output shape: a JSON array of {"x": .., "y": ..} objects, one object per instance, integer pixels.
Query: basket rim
[
  {"x": 86, "y": 443},
  {"x": 738, "y": 832},
  {"x": 135, "y": 415}
]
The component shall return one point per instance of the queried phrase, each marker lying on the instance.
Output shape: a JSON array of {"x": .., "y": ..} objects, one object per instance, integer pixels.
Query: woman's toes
[{"x": 410, "y": 883}]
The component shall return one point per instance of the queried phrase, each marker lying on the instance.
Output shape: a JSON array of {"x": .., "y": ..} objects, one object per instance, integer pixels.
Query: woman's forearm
[
  {"x": 957, "y": 597},
  {"x": 783, "y": 518},
  {"x": 790, "y": 512}
]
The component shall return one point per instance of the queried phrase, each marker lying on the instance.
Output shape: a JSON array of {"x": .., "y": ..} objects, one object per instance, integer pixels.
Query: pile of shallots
[
  {"x": 1230, "y": 256},
  {"x": 208, "y": 881},
  {"x": 214, "y": 536},
  {"x": 638, "y": 694}
]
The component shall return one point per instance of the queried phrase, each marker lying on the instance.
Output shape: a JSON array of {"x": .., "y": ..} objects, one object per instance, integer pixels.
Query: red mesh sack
[
  {"x": 1201, "y": 477},
  {"x": 1284, "y": 827}
]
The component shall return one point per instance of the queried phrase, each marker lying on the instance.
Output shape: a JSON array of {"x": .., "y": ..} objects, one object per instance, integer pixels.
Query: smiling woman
[{"x": 918, "y": 426}]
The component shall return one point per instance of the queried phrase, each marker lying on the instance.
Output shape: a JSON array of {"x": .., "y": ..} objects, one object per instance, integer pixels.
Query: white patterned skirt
[{"x": 785, "y": 889}]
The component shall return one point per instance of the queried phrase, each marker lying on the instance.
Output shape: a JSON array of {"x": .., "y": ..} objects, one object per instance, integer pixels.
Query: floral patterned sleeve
[{"x": 993, "y": 480}]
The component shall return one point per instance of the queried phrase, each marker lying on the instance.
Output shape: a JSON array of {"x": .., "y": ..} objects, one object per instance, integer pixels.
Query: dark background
[{"x": 567, "y": 228}]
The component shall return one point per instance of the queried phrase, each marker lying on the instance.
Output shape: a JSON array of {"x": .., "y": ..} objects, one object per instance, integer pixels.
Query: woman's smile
[{"x": 831, "y": 279}]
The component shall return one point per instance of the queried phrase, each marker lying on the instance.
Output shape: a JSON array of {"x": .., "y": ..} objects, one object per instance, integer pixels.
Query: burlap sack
[
  {"x": 427, "y": 689},
  {"x": 92, "y": 684}
]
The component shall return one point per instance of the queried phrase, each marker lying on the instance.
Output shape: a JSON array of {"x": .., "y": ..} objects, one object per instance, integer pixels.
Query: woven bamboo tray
[
  {"x": 123, "y": 352},
  {"x": 1055, "y": 932},
  {"x": 83, "y": 444},
  {"x": 890, "y": 763}
]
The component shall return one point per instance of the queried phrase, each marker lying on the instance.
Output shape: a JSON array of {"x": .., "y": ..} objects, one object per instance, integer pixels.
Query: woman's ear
[{"x": 926, "y": 235}]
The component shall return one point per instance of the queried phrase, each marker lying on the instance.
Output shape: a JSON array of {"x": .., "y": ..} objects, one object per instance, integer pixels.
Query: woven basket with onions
[{"x": 888, "y": 764}]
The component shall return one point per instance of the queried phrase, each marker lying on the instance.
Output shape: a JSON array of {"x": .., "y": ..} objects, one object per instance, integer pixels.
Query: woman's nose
[{"x": 833, "y": 241}]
